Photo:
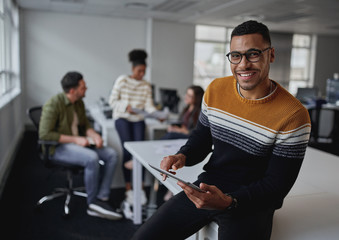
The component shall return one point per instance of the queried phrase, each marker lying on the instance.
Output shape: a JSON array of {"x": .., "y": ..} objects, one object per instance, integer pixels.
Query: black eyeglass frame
[{"x": 246, "y": 54}]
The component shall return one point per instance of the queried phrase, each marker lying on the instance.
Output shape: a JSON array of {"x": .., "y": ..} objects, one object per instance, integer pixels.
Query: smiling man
[{"x": 257, "y": 133}]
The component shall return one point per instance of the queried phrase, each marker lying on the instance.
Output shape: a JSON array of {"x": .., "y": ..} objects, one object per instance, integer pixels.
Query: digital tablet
[{"x": 177, "y": 178}]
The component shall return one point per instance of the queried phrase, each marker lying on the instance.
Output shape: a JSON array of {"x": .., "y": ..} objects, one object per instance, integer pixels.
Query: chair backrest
[
  {"x": 325, "y": 123},
  {"x": 34, "y": 114}
]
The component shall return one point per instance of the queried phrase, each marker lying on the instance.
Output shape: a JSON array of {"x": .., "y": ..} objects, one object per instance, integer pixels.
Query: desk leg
[
  {"x": 137, "y": 185},
  {"x": 104, "y": 136}
]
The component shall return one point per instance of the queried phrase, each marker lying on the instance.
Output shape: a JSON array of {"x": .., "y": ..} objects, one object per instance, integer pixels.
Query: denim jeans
[
  {"x": 175, "y": 135},
  {"x": 97, "y": 186},
  {"x": 129, "y": 131}
]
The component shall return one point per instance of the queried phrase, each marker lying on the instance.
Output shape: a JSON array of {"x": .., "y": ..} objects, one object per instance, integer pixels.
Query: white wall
[
  {"x": 55, "y": 43},
  {"x": 172, "y": 56},
  {"x": 327, "y": 61},
  {"x": 280, "y": 68},
  {"x": 11, "y": 129}
]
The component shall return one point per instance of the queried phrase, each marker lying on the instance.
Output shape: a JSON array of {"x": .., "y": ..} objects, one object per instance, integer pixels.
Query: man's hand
[
  {"x": 98, "y": 140},
  {"x": 95, "y": 136},
  {"x": 214, "y": 199},
  {"x": 172, "y": 162},
  {"x": 81, "y": 141}
]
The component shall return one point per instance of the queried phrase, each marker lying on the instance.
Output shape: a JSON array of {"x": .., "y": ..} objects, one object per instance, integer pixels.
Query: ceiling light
[{"x": 136, "y": 5}]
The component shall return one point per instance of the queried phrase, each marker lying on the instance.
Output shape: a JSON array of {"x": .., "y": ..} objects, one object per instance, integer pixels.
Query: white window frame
[
  {"x": 226, "y": 66},
  {"x": 309, "y": 80},
  {"x": 9, "y": 53}
]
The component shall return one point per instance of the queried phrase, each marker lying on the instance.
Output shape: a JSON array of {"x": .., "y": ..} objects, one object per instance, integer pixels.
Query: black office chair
[
  {"x": 34, "y": 114},
  {"x": 325, "y": 126}
]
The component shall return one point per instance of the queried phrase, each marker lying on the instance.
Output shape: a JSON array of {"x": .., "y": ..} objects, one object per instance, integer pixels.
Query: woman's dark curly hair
[{"x": 137, "y": 57}]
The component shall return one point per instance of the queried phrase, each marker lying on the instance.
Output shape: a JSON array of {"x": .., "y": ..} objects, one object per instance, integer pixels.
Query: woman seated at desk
[
  {"x": 189, "y": 115},
  {"x": 187, "y": 119}
]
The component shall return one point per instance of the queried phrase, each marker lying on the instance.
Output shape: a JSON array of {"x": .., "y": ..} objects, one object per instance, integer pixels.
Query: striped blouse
[{"x": 129, "y": 91}]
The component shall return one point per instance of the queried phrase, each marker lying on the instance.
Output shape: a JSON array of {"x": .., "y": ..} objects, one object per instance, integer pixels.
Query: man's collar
[{"x": 66, "y": 100}]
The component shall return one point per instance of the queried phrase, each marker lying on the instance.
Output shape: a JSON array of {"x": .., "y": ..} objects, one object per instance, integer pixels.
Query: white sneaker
[
  {"x": 129, "y": 197},
  {"x": 143, "y": 197},
  {"x": 127, "y": 210},
  {"x": 103, "y": 210}
]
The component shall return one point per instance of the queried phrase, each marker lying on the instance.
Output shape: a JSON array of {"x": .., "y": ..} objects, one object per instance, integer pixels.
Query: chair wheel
[{"x": 65, "y": 216}]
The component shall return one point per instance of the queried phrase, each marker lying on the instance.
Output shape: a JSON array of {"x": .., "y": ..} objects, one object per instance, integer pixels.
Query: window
[
  {"x": 301, "y": 57},
  {"x": 9, "y": 52},
  {"x": 210, "y": 62}
]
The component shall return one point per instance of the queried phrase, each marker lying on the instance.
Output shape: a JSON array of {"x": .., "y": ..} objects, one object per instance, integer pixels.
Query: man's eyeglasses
[{"x": 252, "y": 55}]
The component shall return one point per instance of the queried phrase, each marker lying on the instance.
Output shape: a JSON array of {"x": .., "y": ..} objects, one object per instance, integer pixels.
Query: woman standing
[{"x": 129, "y": 94}]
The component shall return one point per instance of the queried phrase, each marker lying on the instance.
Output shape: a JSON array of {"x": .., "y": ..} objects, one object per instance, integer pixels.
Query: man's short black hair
[
  {"x": 250, "y": 27},
  {"x": 70, "y": 80}
]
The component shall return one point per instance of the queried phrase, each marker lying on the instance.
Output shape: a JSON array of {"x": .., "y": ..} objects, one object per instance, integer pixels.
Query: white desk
[
  {"x": 111, "y": 137},
  {"x": 145, "y": 152},
  {"x": 310, "y": 211},
  {"x": 106, "y": 124}
]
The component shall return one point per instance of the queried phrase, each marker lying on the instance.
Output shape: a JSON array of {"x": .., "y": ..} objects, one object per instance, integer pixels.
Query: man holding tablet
[{"x": 259, "y": 133}]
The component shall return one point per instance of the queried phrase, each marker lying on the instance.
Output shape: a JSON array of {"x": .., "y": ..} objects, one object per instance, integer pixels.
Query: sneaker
[
  {"x": 102, "y": 209},
  {"x": 143, "y": 198},
  {"x": 129, "y": 197},
  {"x": 127, "y": 210}
]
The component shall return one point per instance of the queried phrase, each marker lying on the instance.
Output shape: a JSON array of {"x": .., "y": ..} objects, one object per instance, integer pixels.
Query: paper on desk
[
  {"x": 157, "y": 114},
  {"x": 170, "y": 148}
]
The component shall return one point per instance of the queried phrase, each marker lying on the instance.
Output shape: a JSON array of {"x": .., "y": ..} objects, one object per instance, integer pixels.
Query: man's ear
[
  {"x": 71, "y": 90},
  {"x": 272, "y": 55}
]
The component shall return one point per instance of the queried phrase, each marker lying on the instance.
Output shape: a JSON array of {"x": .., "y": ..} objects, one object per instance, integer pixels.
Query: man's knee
[{"x": 92, "y": 158}]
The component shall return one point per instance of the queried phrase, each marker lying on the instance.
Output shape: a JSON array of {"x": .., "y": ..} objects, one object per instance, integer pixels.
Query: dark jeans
[
  {"x": 129, "y": 131},
  {"x": 175, "y": 135},
  {"x": 178, "y": 219}
]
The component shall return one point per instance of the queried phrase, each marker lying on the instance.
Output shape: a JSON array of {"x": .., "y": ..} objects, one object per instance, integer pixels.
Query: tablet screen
[{"x": 177, "y": 178}]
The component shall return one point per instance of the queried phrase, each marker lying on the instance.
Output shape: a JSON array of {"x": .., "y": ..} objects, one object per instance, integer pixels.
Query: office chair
[
  {"x": 34, "y": 114},
  {"x": 325, "y": 125}
]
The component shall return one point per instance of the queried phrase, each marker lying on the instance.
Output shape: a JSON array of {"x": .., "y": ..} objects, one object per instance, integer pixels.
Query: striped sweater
[
  {"x": 258, "y": 145},
  {"x": 128, "y": 91}
]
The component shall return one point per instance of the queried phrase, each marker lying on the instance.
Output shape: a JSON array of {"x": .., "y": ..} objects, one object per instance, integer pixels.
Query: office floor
[{"x": 28, "y": 181}]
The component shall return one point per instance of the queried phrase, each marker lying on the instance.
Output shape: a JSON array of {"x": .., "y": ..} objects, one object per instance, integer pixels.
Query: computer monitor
[
  {"x": 169, "y": 98},
  {"x": 332, "y": 91},
  {"x": 305, "y": 95}
]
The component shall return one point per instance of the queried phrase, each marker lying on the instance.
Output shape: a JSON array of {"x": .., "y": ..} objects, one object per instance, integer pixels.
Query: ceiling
[{"x": 300, "y": 16}]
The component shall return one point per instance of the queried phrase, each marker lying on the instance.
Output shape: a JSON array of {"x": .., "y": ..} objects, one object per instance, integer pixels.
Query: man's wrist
[
  {"x": 182, "y": 158},
  {"x": 234, "y": 202}
]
